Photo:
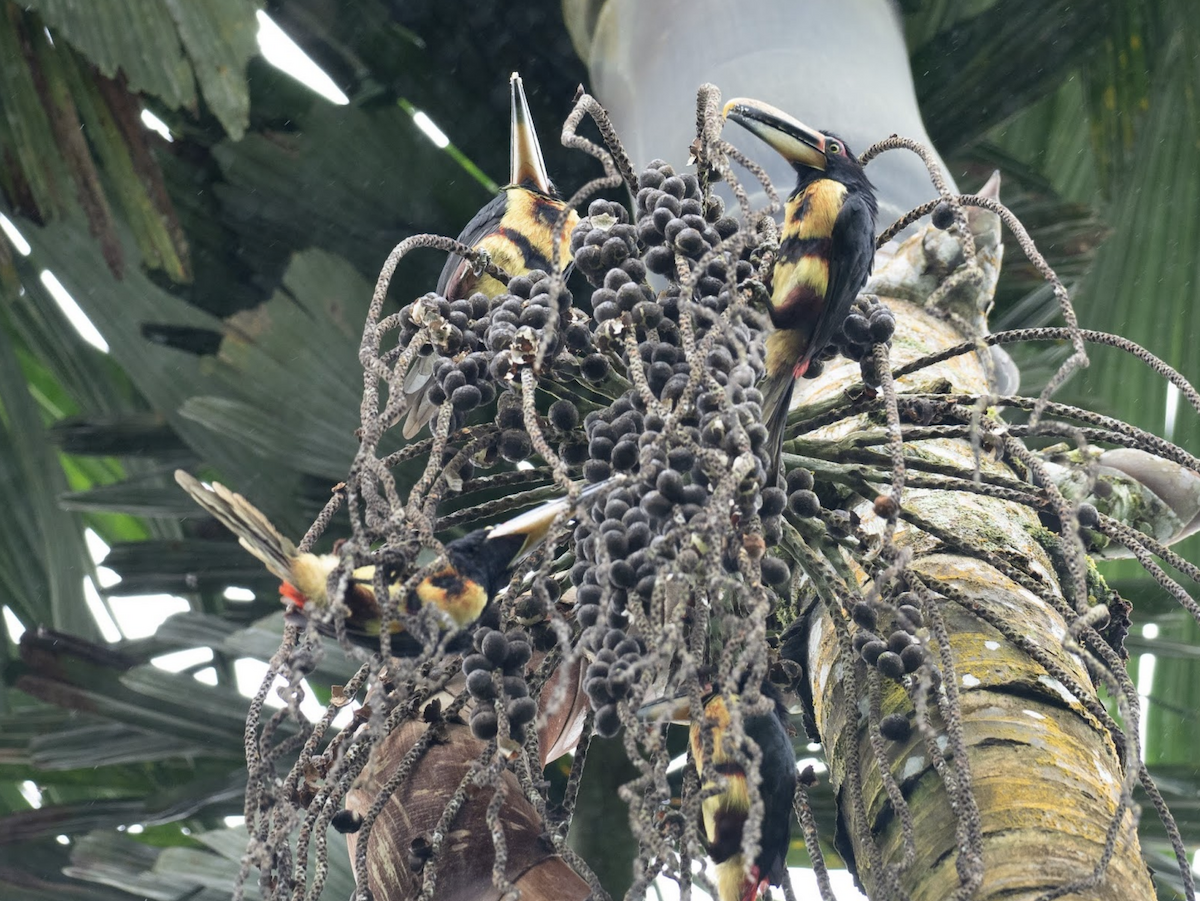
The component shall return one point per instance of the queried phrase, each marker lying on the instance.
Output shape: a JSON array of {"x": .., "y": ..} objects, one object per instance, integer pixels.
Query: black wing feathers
[
  {"x": 484, "y": 223},
  {"x": 851, "y": 256}
]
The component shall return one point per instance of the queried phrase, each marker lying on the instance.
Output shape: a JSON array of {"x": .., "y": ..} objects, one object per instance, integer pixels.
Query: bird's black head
[
  {"x": 485, "y": 559},
  {"x": 840, "y": 164},
  {"x": 812, "y": 154},
  {"x": 473, "y": 559}
]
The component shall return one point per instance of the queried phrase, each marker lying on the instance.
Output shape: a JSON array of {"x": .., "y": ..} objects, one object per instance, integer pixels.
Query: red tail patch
[
  {"x": 289, "y": 592},
  {"x": 755, "y": 885}
]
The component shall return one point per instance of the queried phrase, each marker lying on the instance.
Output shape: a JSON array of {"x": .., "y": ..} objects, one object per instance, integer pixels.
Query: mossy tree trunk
[{"x": 1036, "y": 777}]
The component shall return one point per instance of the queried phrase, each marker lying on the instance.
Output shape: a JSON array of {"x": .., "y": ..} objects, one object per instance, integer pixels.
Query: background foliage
[{"x": 227, "y": 272}]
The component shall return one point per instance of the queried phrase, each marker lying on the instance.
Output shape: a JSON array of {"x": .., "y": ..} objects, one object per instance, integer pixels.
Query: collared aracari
[
  {"x": 723, "y": 815},
  {"x": 826, "y": 250},
  {"x": 516, "y": 228},
  {"x": 478, "y": 565}
]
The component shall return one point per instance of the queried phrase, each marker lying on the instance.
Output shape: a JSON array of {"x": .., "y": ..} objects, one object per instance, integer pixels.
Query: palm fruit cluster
[{"x": 653, "y": 391}]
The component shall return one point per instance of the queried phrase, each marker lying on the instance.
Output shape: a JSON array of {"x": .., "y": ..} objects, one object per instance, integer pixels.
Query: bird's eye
[{"x": 834, "y": 147}]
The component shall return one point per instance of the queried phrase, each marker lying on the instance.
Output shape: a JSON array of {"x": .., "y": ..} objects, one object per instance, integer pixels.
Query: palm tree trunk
[
  {"x": 1035, "y": 776},
  {"x": 448, "y": 815},
  {"x": 463, "y": 850}
]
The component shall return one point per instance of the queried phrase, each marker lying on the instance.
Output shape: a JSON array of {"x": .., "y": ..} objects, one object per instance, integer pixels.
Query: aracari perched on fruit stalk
[
  {"x": 826, "y": 250},
  {"x": 723, "y": 815},
  {"x": 478, "y": 565},
  {"x": 516, "y": 228}
]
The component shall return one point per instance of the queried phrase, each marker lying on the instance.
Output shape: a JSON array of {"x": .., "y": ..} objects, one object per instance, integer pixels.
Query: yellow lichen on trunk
[{"x": 1045, "y": 773}]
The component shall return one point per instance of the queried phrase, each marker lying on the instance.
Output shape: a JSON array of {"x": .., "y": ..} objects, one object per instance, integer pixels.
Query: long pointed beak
[
  {"x": 535, "y": 524},
  {"x": 675, "y": 709},
  {"x": 527, "y": 168},
  {"x": 792, "y": 139},
  {"x": 667, "y": 710}
]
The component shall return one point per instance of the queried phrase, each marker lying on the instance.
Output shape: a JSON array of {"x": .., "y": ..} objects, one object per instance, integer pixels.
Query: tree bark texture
[
  {"x": 412, "y": 831},
  {"x": 1044, "y": 771}
]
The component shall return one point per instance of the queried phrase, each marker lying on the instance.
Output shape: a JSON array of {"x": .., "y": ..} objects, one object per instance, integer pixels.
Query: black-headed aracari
[
  {"x": 826, "y": 250},
  {"x": 516, "y": 228},
  {"x": 723, "y": 815},
  {"x": 478, "y": 565}
]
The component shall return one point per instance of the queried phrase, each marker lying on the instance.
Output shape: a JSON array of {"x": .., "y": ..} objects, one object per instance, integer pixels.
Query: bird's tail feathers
[
  {"x": 417, "y": 382},
  {"x": 777, "y": 402},
  {"x": 254, "y": 531}
]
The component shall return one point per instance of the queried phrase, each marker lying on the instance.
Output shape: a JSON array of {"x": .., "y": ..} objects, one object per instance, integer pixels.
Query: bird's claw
[
  {"x": 755, "y": 292},
  {"x": 765, "y": 250},
  {"x": 482, "y": 260}
]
